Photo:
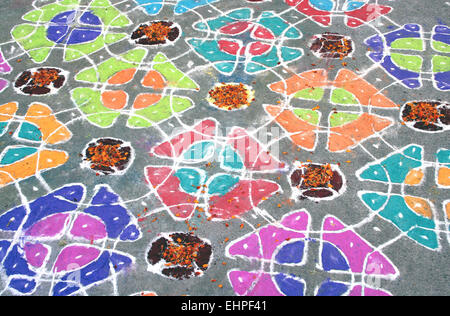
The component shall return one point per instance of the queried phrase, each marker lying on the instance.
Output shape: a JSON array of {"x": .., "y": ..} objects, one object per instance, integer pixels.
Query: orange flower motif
[
  {"x": 345, "y": 129},
  {"x": 39, "y": 126}
]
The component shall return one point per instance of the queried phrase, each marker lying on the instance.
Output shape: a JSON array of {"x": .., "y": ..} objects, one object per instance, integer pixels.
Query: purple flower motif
[
  {"x": 25, "y": 255},
  {"x": 388, "y": 50},
  {"x": 65, "y": 28}
]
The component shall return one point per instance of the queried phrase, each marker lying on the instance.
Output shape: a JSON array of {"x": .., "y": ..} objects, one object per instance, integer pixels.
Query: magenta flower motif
[
  {"x": 287, "y": 244},
  {"x": 5, "y": 68},
  {"x": 224, "y": 195}
]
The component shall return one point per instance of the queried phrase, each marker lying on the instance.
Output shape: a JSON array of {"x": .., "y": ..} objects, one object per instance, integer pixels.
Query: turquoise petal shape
[
  {"x": 183, "y": 6},
  {"x": 324, "y": 5},
  {"x": 426, "y": 237},
  {"x": 270, "y": 59},
  {"x": 151, "y": 7},
  {"x": 443, "y": 156},
  {"x": 210, "y": 50},
  {"x": 396, "y": 211},
  {"x": 415, "y": 152},
  {"x": 225, "y": 67},
  {"x": 419, "y": 228},
  {"x": 3, "y": 128},
  {"x": 398, "y": 167},
  {"x": 375, "y": 173},
  {"x": 199, "y": 151},
  {"x": 30, "y": 131},
  {"x": 374, "y": 200},
  {"x": 216, "y": 24},
  {"x": 275, "y": 24},
  {"x": 394, "y": 168},
  {"x": 230, "y": 159},
  {"x": 354, "y": 5},
  {"x": 190, "y": 179},
  {"x": 252, "y": 68},
  {"x": 13, "y": 154},
  {"x": 288, "y": 54},
  {"x": 241, "y": 14},
  {"x": 293, "y": 33},
  {"x": 402, "y": 216},
  {"x": 222, "y": 184}
]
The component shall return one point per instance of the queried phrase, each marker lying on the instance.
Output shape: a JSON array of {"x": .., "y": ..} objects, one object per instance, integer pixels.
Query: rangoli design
[
  {"x": 286, "y": 243},
  {"x": 345, "y": 129},
  {"x": 39, "y": 129},
  {"x": 102, "y": 108},
  {"x": 225, "y": 195},
  {"x": 224, "y": 148},
  {"x": 388, "y": 51},
  {"x": 55, "y": 217},
  {"x": 77, "y": 29},
  {"x": 241, "y": 40},
  {"x": 356, "y": 12}
]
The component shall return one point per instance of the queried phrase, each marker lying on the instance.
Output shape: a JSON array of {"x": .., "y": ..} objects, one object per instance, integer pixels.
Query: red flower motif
[
  {"x": 237, "y": 198},
  {"x": 354, "y": 18},
  {"x": 255, "y": 31}
]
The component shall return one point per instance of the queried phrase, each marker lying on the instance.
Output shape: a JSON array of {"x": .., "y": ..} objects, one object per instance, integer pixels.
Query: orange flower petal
[
  {"x": 114, "y": 100},
  {"x": 154, "y": 79},
  {"x": 145, "y": 100},
  {"x": 123, "y": 76}
]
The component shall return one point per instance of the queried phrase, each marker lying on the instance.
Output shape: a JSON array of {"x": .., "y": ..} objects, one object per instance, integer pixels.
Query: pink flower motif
[
  {"x": 225, "y": 194},
  {"x": 287, "y": 243}
]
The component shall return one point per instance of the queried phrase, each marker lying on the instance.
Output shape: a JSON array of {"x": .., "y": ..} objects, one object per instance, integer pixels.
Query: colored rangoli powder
[
  {"x": 231, "y": 96},
  {"x": 44, "y": 77},
  {"x": 156, "y": 33},
  {"x": 40, "y": 81},
  {"x": 317, "y": 176},
  {"x": 108, "y": 156},
  {"x": 330, "y": 45},
  {"x": 317, "y": 181},
  {"x": 180, "y": 255},
  {"x": 426, "y": 112},
  {"x": 176, "y": 254}
]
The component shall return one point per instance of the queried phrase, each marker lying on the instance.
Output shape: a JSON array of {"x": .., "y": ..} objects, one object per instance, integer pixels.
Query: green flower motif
[
  {"x": 80, "y": 30},
  {"x": 103, "y": 104}
]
